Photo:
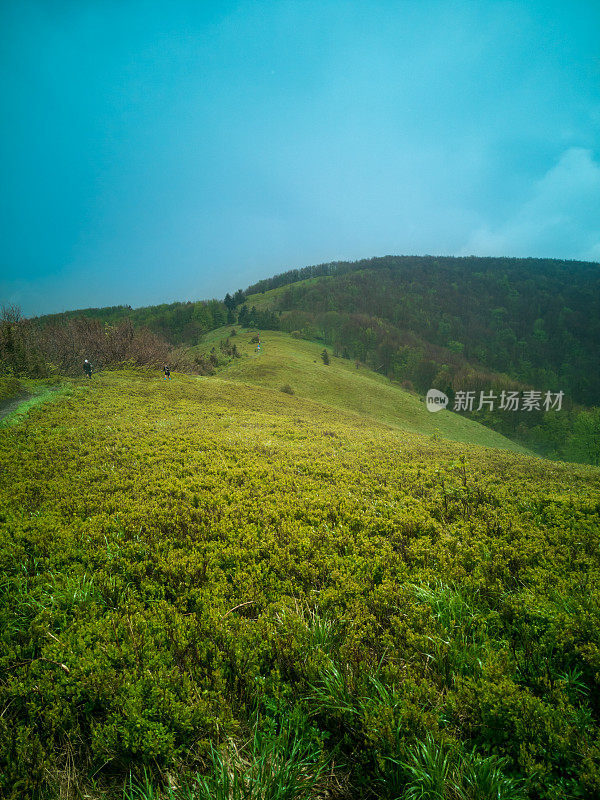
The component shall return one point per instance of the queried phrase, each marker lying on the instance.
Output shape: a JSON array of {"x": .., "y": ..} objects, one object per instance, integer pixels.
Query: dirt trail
[{"x": 12, "y": 403}]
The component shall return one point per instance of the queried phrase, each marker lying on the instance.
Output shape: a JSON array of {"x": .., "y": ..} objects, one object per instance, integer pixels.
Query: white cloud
[{"x": 559, "y": 219}]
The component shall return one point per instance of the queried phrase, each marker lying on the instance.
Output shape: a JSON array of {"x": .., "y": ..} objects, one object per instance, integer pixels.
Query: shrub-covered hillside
[
  {"x": 297, "y": 364},
  {"x": 453, "y": 324},
  {"x": 481, "y": 324},
  {"x": 537, "y": 320},
  {"x": 209, "y": 587}
]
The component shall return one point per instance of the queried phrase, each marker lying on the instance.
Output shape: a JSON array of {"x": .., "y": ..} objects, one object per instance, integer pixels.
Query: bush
[
  {"x": 20, "y": 353},
  {"x": 287, "y": 389},
  {"x": 10, "y": 387}
]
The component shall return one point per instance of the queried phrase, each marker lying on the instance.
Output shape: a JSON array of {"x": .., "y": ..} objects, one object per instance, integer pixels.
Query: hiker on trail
[
  {"x": 87, "y": 368},
  {"x": 167, "y": 372}
]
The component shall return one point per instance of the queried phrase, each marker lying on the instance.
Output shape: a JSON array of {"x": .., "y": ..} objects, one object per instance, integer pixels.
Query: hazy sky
[{"x": 160, "y": 151}]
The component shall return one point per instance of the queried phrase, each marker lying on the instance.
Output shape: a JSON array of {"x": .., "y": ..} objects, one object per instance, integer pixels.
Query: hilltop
[
  {"x": 296, "y": 364},
  {"x": 482, "y": 324}
]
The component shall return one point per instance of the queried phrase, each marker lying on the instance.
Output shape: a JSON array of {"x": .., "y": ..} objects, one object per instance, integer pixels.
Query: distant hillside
[
  {"x": 537, "y": 320},
  {"x": 297, "y": 367},
  {"x": 480, "y": 324}
]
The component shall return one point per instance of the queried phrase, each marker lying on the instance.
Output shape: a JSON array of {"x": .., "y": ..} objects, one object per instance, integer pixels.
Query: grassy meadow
[
  {"x": 286, "y": 361},
  {"x": 215, "y": 589}
]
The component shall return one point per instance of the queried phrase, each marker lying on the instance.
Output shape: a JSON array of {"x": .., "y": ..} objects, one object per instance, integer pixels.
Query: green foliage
[
  {"x": 10, "y": 387},
  {"x": 175, "y": 555},
  {"x": 437, "y": 773},
  {"x": 283, "y": 764},
  {"x": 267, "y": 320},
  {"x": 584, "y": 443}
]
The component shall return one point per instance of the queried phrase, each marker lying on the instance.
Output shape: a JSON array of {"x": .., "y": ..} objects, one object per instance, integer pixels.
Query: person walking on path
[
  {"x": 87, "y": 368},
  {"x": 167, "y": 372}
]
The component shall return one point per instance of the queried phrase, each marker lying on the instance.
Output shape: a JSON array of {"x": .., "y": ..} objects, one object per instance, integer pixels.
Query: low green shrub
[
  {"x": 172, "y": 560},
  {"x": 10, "y": 387}
]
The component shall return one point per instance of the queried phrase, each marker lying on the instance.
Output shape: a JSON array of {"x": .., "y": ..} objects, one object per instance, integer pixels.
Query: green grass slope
[
  {"x": 210, "y": 578},
  {"x": 284, "y": 359},
  {"x": 265, "y": 301}
]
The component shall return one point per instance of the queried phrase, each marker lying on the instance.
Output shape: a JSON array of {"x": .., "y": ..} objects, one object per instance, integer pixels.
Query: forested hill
[
  {"x": 480, "y": 324},
  {"x": 536, "y": 320},
  {"x": 547, "y": 267}
]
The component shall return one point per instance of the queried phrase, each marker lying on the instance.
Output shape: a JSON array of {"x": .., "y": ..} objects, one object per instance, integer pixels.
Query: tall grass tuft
[
  {"x": 286, "y": 765},
  {"x": 450, "y": 604},
  {"x": 431, "y": 771},
  {"x": 142, "y": 790},
  {"x": 334, "y": 694},
  {"x": 320, "y": 631},
  {"x": 465, "y": 632},
  {"x": 484, "y": 779}
]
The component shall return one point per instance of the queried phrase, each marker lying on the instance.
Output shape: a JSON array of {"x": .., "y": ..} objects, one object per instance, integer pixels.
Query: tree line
[
  {"x": 177, "y": 323},
  {"x": 28, "y": 349}
]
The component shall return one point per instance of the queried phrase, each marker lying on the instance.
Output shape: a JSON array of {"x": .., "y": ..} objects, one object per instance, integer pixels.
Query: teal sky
[{"x": 160, "y": 151}]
